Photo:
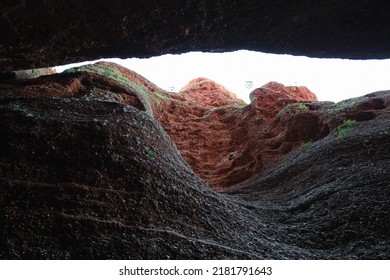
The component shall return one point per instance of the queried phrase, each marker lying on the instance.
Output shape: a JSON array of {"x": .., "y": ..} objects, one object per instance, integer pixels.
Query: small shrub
[
  {"x": 341, "y": 106},
  {"x": 303, "y": 107},
  {"x": 306, "y": 145},
  {"x": 151, "y": 154},
  {"x": 343, "y": 130},
  {"x": 292, "y": 109},
  {"x": 17, "y": 107}
]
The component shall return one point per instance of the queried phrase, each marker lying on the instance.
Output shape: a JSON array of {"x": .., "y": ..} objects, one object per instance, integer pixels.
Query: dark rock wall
[{"x": 41, "y": 33}]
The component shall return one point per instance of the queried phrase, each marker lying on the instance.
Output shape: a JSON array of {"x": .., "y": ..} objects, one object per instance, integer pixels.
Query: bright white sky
[{"x": 329, "y": 79}]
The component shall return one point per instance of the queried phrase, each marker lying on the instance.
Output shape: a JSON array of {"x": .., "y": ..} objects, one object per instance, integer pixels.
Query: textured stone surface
[
  {"x": 225, "y": 141},
  {"x": 272, "y": 97},
  {"x": 34, "y": 73},
  {"x": 87, "y": 172},
  {"x": 208, "y": 94},
  {"x": 42, "y": 33}
]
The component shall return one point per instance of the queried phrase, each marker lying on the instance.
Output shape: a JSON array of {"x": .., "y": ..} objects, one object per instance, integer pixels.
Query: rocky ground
[{"x": 100, "y": 163}]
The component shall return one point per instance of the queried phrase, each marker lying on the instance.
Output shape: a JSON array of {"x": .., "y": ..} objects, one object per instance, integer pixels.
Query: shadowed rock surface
[
  {"x": 87, "y": 171},
  {"x": 37, "y": 34}
]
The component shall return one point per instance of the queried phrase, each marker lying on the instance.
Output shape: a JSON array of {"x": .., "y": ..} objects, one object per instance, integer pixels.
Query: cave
[{"x": 97, "y": 162}]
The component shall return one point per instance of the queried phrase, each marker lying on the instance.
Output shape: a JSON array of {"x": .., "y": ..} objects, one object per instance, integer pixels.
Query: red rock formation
[
  {"x": 229, "y": 144},
  {"x": 224, "y": 141},
  {"x": 86, "y": 172},
  {"x": 272, "y": 97},
  {"x": 209, "y": 94}
]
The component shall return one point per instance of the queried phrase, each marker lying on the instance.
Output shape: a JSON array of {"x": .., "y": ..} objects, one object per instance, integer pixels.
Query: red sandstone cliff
[
  {"x": 208, "y": 94},
  {"x": 225, "y": 141}
]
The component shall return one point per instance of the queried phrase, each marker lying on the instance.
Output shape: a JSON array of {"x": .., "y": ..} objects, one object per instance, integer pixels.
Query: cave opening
[{"x": 243, "y": 71}]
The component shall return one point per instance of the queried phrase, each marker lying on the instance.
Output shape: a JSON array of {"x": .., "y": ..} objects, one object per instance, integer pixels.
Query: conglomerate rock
[
  {"x": 40, "y": 33},
  {"x": 90, "y": 168},
  {"x": 224, "y": 140}
]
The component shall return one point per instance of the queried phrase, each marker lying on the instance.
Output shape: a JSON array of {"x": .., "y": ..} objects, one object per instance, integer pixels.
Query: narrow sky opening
[{"x": 242, "y": 71}]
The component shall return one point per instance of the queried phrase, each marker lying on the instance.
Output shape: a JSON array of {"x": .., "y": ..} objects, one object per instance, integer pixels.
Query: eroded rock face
[
  {"x": 88, "y": 172},
  {"x": 225, "y": 141},
  {"x": 208, "y": 94},
  {"x": 88, "y": 179},
  {"x": 271, "y": 98},
  {"x": 44, "y": 34},
  {"x": 331, "y": 193}
]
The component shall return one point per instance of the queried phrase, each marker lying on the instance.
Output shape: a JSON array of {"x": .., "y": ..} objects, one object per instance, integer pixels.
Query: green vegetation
[
  {"x": 110, "y": 73},
  {"x": 303, "y": 107},
  {"x": 159, "y": 97},
  {"x": 290, "y": 112},
  {"x": 143, "y": 93},
  {"x": 342, "y": 106},
  {"x": 70, "y": 70},
  {"x": 306, "y": 145},
  {"x": 147, "y": 97},
  {"x": 237, "y": 105},
  {"x": 212, "y": 110},
  {"x": 292, "y": 109},
  {"x": 17, "y": 107},
  {"x": 151, "y": 154},
  {"x": 154, "y": 97},
  {"x": 343, "y": 130},
  {"x": 240, "y": 106}
]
